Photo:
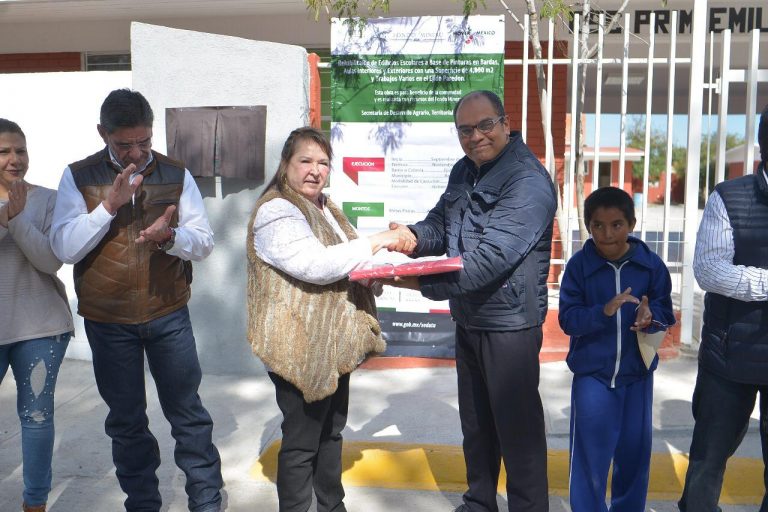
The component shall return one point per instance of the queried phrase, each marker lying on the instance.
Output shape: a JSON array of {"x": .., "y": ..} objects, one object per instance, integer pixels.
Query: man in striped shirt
[{"x": 731, "y": 265}]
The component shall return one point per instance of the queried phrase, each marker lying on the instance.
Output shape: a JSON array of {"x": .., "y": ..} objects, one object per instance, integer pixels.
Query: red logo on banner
[{"x": 352, "y": 165}]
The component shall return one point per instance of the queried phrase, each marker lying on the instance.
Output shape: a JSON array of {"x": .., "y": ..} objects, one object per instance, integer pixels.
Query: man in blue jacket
[
  {"x": 497, "y": 214},
  {"x": 731, "y": 264}
]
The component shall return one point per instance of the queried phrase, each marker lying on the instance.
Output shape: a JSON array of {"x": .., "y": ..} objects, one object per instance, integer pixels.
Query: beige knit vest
[{"x": 309, "y": 334}]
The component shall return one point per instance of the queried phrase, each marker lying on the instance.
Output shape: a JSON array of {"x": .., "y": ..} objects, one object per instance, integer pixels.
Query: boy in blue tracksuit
[{"x": 614, "y": 287}]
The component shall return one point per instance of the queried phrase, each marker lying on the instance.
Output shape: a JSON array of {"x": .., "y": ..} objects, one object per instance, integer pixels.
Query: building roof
[
  {"x": 737, "y": 154},
  {"x": 134, "y": 10}
]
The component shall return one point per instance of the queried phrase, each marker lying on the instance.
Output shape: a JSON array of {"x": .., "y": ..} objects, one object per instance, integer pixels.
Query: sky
[{"x": 610, "y": 124}]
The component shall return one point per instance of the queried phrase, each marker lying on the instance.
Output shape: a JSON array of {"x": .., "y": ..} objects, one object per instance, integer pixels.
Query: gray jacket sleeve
[{"x": 32, "y": 239}]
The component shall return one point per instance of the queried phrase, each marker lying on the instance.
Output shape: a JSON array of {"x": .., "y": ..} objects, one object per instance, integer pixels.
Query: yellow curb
[{"x": 434, "y": 467}]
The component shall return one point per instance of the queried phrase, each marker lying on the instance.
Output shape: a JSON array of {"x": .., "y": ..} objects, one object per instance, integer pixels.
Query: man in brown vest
[{"x": 131, "y": 220}]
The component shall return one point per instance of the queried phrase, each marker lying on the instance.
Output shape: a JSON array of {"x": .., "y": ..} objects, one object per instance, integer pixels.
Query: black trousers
[
  {"x": 310, "y": 455},
  {"x": 721, "y": 410},
  {"x": 502, "y": 418}
]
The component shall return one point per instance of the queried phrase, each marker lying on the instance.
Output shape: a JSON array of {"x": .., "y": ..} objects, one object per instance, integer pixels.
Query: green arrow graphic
[{"x": 355, "y": 210}]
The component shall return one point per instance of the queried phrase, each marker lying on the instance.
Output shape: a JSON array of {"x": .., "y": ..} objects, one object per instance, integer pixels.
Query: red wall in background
[
  {"x": 39, "y": 62},
  {"x": 513, "y": 93}
]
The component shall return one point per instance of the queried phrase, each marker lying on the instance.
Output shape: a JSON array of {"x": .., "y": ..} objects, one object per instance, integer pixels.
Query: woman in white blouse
[
  {"x": 35, "y": 321},
  {"x": 308, "y": 323}
]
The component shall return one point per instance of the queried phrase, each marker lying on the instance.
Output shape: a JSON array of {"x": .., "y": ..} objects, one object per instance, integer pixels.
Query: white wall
[
  {"x": 58, "y": 113},
  {"x": 196, "y": 69}
]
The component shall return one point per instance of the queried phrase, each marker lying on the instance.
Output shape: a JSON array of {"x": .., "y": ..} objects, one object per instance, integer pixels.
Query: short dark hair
[
  {"x": 762, "y": 135},
  {"x": 609, "y": 197},
  {"x": 306, "y": 133},
  {"x": 124, "y": 108},
  {"x": 491, "y": 96},
  {"x": 7, "y": 126}
]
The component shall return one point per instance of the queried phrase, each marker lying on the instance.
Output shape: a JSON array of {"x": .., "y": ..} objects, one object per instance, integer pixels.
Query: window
[
  {"x": 604, "y": 174},
  {"x": 107, "y": 61}
]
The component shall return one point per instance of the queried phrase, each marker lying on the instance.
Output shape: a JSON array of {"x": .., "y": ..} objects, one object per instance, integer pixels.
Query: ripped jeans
[{"x": 35, "y": 364}]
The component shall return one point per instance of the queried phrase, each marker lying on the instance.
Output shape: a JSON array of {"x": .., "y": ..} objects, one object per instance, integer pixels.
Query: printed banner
[{"x": 393, "y": 89}]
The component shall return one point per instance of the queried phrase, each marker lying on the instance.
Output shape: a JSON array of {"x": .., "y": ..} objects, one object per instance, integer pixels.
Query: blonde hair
[{"x": 297, "y": 136}]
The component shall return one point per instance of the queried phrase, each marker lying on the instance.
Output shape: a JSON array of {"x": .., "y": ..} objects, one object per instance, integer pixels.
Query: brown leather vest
[{"x": 121, "y": 281}]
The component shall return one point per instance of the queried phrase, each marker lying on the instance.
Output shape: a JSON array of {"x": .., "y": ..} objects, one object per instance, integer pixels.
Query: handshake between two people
[{"x": 398, "y": 238}]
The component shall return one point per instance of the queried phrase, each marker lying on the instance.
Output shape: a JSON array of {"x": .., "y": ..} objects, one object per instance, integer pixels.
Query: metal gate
[
  {"x": 672, "y": 236},
  {"x": 671, "y": 232}
]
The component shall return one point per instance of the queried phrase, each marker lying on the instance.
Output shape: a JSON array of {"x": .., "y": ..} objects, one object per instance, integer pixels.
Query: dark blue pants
[
  {"x": 502, "y": 418},
  {"x": 721, "y": 410},
  {"x": 118, "y": 363},
  {"x": 310, "y": 454},
  {"x": 610, "y": 425}
]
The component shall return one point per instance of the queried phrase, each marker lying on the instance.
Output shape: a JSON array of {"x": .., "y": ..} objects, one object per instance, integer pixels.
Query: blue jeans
[
  {"x": 35, "y": 364},
  {"x": 118, "y": 364},
  {"x": 721, "y": 409}
]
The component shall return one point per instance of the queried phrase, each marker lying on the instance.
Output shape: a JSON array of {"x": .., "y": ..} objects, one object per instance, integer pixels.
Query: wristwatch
[{"x": 166, "y": 246}]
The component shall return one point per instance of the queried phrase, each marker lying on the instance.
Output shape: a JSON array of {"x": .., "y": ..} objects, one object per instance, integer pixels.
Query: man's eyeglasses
[
  {"x": 127, "y": 146},
  {"x": 485, "y": 126}
]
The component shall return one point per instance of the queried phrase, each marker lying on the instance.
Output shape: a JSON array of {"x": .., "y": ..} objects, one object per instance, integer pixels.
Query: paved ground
[{"x": 388, "y": 408}]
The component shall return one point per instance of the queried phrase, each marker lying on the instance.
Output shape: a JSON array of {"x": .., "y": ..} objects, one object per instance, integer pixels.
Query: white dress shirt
[
  {"x": 283, "y": 238},
  {"x": 75, "y": 231},
  {"x": 713, "y": 258}
]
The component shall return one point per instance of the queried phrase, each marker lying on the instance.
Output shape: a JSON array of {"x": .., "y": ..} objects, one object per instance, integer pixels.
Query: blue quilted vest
[{"x": 734, "y": 339}]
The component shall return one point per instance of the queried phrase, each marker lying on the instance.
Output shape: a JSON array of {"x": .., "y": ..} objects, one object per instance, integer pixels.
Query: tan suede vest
[
  {"x": 121, "y": 281},
  {"x": 309, "y": 334}
]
